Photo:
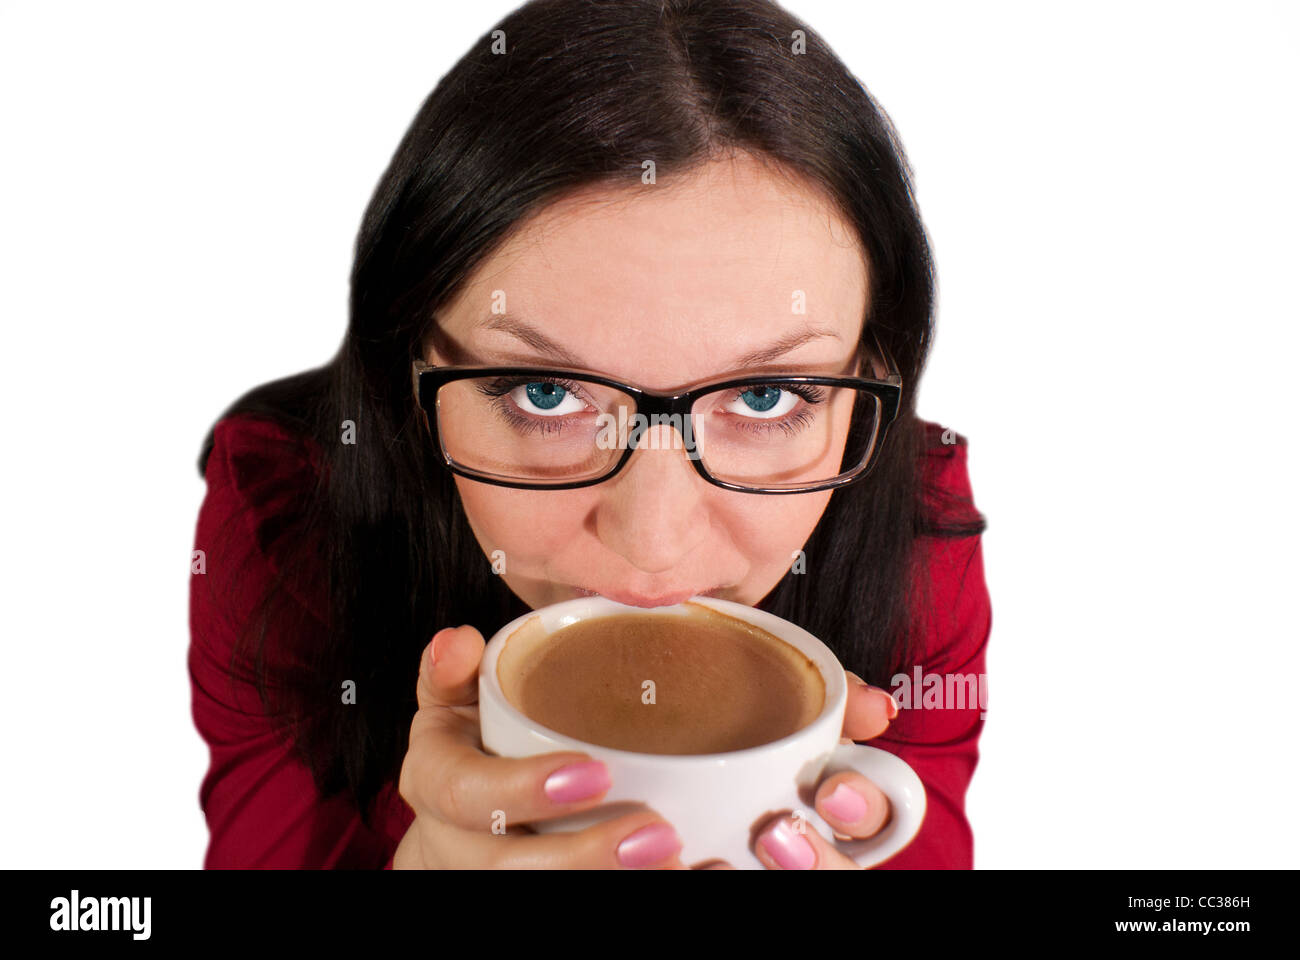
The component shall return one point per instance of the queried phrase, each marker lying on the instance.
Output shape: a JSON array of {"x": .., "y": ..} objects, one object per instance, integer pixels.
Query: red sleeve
[
  {"x": 261, "y": 805},
  {"x": 937, "y": 738}
]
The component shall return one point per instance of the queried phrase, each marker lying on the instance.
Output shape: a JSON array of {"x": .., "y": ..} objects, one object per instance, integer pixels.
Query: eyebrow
[{"x": 529, "y": 334}]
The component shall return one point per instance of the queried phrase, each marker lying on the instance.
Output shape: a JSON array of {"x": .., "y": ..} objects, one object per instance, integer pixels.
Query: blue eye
[
  {"x": 545, "y": 395},
  {"x": 761, "y": 399},
  {"x": 539, "y": 398},
  {"x": 769, "y": 401}
]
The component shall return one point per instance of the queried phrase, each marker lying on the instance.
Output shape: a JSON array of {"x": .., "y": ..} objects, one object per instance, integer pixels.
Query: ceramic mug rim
[{"x": 832, "y": 673}]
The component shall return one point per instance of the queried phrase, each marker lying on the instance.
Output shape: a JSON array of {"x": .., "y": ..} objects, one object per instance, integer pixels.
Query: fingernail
[
  {"x": 577, "y": 781},
  {"x": 787, "y": 848},
  {"x": 433, "y": 647},
  {"x": 648, "y": 846},
  {"x": 845, "y": 804},
  {"x": 893, "y": 706}
]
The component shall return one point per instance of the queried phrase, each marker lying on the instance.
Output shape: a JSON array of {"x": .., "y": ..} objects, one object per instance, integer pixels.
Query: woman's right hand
[{"x": 458, "y": 792}]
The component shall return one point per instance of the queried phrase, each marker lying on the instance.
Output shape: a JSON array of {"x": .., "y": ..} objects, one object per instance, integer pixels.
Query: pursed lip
[{"x": 639, "y": 600}]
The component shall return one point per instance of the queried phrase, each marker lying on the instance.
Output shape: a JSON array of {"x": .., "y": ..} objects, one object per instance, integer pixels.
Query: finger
[
  {"x": 635, "y": 841},
  {"x": 713, "y": 865},
  {"x": 854, "y": 806},
  {"x": 785, "y": 843},
  {"x": 869, "y": 710},
  {"x": 449, "y": 668},
  {"x": 447, "y": 776}
]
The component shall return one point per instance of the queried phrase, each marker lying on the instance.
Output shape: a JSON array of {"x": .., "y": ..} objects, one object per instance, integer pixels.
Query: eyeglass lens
[{"x": 565, "y": 430}]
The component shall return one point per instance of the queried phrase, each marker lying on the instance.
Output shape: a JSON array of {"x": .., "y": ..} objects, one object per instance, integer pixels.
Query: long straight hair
[{"x": 571, "y": 93}]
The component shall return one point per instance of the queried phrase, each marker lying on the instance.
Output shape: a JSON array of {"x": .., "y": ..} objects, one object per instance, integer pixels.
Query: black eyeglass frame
[{"x": 427, "y": 379}]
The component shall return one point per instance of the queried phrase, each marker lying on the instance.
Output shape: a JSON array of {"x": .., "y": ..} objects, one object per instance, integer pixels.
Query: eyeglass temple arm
[
  {"x": 887, "y": 359},
  {"x": 418, "y": 367}
]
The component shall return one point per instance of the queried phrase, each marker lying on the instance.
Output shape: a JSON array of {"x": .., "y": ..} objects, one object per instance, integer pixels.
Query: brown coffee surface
[{"x": 720, "y": 684}]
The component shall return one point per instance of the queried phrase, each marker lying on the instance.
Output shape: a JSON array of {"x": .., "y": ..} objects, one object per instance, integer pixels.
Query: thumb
[
  {"x": 449, "y": 668},
  {"x": 870, "y": 710}
]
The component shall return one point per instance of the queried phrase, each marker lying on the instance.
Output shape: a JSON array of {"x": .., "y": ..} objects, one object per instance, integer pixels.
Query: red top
[{"x": 260, "y": 802}]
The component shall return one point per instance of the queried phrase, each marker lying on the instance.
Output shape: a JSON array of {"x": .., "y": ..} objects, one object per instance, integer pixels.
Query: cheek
[
  {"x": 525, "y": 524},
  {"x": 768, "y": 529}
]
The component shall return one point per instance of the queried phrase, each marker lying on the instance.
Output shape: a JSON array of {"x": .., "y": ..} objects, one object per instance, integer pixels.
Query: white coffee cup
[{"x": 712, "y": 800}]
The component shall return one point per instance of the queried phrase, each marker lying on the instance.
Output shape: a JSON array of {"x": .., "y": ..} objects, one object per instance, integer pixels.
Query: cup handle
[{"x": 898, "y": 782}]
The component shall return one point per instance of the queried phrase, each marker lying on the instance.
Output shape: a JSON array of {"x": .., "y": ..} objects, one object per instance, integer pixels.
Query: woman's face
[{"x": 663, "y": 286}]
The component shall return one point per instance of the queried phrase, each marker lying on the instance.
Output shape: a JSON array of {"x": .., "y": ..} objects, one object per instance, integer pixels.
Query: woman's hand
[
  {"x": 848, "y": 801},
  {"x": 459, "y": 793}
]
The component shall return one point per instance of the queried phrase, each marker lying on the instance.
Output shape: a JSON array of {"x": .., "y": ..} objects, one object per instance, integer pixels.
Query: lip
[{"x": 639, "y": 600}]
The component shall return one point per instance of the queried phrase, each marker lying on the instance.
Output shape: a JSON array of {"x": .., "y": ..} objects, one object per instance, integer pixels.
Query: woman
[{"x": 666, "y": 194}]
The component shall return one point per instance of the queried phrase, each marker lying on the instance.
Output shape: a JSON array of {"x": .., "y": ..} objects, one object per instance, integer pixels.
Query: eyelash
[
  {"x": 791, "y": 425},
  {"x": 810, "y": 393},
  {"x": 497, "y": 389},
  {"x": 530, "y": 425}
]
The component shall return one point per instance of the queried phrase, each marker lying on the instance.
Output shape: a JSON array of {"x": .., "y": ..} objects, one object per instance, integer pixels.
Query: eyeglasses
[{"x": 541, "y": 428}]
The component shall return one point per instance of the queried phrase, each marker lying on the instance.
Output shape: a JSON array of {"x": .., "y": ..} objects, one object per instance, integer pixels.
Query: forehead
[{"x": 664, "y": 283}]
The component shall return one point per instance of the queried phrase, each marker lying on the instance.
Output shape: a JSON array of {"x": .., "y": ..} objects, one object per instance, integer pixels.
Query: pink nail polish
[
  {"x": 577, "y": 781},
  {"x": 893, "y": 707},
  {"x": 787, "y": 848},
  {"x": 845, "y": 804},
  {"x": 648, "y": 846}
]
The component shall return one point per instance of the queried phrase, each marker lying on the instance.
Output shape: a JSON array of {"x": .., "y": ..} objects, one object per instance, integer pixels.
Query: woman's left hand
[{"x": 848, "y": 801}]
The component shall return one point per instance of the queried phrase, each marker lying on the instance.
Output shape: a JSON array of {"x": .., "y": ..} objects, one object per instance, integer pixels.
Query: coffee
[{"x": 698, "y": 683}]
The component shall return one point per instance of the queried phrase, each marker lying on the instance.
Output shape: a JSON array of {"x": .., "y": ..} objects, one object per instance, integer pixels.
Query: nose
[{"x": 653, "y": 512}]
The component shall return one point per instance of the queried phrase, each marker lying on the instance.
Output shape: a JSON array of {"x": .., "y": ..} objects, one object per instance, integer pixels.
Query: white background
[{"x": 1111, "y": 194}]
